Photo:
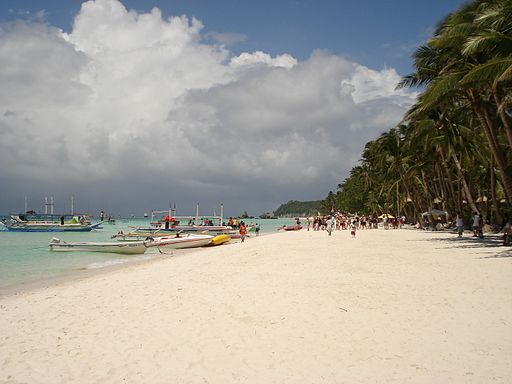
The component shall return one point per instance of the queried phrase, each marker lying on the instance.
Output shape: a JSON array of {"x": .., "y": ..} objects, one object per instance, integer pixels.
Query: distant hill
[{"x": 295, "y": 208}]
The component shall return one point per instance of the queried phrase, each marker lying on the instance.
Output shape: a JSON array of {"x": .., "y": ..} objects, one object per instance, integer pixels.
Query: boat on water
[
  {"x": 130, "y": 248},
  {"x": 33, "y": 222},
  {"x": 180, "y": 241},
  {"x": 168, "y": 222}
]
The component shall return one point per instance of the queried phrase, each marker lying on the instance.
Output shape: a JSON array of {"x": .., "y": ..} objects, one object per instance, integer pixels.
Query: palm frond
[
  {"x": 506, "y": 75},
  {"x": 493, "y": 42},
  {"x": 488, "y": 73},
  {"x": 441, "y": 90}
]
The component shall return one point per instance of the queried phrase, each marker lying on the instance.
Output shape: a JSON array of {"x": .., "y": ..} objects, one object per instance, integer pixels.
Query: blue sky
[
  {"x": 130, "y": 105},
  {"x": 375, "y": 33}
]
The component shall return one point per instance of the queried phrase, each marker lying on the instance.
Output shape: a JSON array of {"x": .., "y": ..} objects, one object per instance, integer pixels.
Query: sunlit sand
[{"x": 397, "y": 306}]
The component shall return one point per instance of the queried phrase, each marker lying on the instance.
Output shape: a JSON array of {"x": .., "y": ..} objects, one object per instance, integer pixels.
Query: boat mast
[
  {"x": 72, "y": 205},
  {"x": 26, "y": 204},
  {"x": 48, "y": 204}
]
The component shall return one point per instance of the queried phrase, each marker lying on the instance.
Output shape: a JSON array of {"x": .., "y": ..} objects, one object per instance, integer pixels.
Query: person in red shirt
[{"x": 243, "y": 231}]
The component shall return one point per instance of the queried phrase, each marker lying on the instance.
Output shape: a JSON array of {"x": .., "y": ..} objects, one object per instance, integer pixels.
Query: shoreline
[
  {"x": 84, "y": 273},
  {"x": 388, "y": 306}
]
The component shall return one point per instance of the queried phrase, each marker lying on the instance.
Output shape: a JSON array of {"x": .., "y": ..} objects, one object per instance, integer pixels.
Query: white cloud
[
  {"x": 366, "y": 84},
  {"x": 140, "y": 108},
  {"x": 258, "y": 57}
]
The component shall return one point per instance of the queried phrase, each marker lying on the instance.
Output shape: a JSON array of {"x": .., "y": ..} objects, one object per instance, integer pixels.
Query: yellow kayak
[{"x": 219, "y": 239}]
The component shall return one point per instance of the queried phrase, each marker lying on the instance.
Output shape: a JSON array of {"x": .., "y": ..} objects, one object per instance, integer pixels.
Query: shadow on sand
[{"x": 490, "y": 240}]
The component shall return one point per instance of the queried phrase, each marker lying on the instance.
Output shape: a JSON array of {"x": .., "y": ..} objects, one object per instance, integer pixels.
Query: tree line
[
  {"x": 298, "y": 208},
  {"x": 453, "y": 149}
]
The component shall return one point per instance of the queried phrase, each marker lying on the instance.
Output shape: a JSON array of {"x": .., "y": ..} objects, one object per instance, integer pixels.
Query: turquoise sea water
[{"x": 25, "y": 257}]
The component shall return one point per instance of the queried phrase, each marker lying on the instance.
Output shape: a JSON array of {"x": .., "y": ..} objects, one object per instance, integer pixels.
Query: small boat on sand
[
  {"x": 291, "y": 227},
  {"x": 219, "y": 240},
  {"x": 179, "y": 241},
  {"x": 130, "y": 248}
]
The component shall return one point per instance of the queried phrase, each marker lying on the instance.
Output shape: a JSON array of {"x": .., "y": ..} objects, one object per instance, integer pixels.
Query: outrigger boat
[
  {"x": 168, "y": 221},
  {"x": 134, "y": 247},
  {"x": 180, "y": 241},
  {"x": 131, "y": 248},
  {"x": 32, "y": 222}
]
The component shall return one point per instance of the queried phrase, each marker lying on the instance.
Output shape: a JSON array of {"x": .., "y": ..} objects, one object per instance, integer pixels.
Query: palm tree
[
  {"x": 455, "y": 143},
  {"x": 444, "y": 69}
]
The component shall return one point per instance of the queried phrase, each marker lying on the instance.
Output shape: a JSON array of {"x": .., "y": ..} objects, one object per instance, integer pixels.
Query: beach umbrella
[{"x": 386, "y": 215}]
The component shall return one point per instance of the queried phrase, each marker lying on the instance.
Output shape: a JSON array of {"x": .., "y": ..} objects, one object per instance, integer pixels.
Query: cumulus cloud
[
  {"x": 366, "y": 84},
  {"x": 139, "y": 108},
  {"x": 258, "y": 57}
]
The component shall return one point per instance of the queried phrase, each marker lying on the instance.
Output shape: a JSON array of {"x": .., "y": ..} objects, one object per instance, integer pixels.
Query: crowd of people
[
  {"x": 479, "y": 225},
  {"x": 339, "y": 221}
]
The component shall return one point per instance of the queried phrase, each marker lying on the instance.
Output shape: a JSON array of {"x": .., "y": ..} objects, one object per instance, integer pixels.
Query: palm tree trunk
[
  {"x": 465, "y": 187},
  {"x": 503, "y": 116},
  {"x": 494, "y": 147},
  {"x": 442, "y": 189},
  {"x": 447, "y": 185},
  {"x": 449, "y": 182},
  {"x": 495, "y": 205}
]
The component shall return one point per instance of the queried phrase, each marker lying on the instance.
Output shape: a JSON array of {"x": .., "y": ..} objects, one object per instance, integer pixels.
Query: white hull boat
[
  {"x": 49, "y": 223},
  {"x": 130, "y": 248},
  {"x": 180, "y": 241}
]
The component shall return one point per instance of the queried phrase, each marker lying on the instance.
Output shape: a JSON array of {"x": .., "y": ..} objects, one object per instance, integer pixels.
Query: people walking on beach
[
  {"x": 308, "y": 222},
  {"x": 257, "y": 229},
  {"x": 385, "y": 222},
  {"x": 459, "y": 223},
  {"x": 331, "y": 224},
  {"x": 363, "y": 222},
  {"x": 483, "y": 222},
  {"x": 353, "y": 228},
  {"x": 243, "y": 231},
  {"x": 476, "y": 224}
]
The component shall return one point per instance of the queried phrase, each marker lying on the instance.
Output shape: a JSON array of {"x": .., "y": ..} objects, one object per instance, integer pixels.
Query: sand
[{"x": 397, "y": 306}]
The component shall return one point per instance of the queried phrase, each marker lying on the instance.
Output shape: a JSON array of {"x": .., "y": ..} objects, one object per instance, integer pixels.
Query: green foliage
[
  {"x": 454, "y": 146},
  {"x": 298, "y": 208},
  {"x": 267, "y": 215}
]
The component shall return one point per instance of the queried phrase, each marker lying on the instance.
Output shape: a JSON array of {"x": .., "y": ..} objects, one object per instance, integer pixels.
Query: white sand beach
[{"x": 397, "y": 306}]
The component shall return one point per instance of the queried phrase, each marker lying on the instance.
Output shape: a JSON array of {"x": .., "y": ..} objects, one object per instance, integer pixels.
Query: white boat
[
  {"x": 171, "y": 223},
  {"x": 180, "y": 241},
  {"x": 132, "y": 247},
  {"x": 31, "y": 222}
]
